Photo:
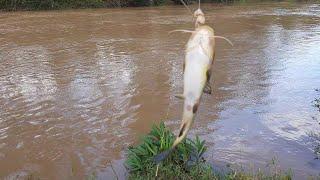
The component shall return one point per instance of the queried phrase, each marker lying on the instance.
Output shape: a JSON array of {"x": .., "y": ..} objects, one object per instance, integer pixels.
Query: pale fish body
[
  {"x": 200, "y": 52},
  {"x": 198, "y": 60}
]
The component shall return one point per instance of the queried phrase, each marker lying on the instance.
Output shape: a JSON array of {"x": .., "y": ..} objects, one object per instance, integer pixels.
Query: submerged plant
[
  {"x": 316, "y": 135},
  {"x": 317, "y": 103}
]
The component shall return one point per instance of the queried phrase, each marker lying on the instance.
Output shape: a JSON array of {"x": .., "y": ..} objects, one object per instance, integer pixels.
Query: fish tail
[
  {"x": 185, "y": 126},
  {"x": 162, "y": 156},
  {"x": 187, "y": 121}
]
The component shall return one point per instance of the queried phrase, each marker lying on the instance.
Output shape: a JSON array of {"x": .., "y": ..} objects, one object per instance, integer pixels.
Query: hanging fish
[{"x": 199, "y": 57}]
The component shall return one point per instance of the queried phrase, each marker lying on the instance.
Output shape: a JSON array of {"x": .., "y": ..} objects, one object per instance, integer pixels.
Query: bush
[
  {"x": 186, "y": 162},
  {"x": 49, "y": 4},
  {"x": 183, "y": 163},
  {"x": 179, "y": 1},
  {"x": 316, "y": 135},
  {"x": 317, "y": 101},
  {"x": 146, "y": 2},
  {"x": 13, "y": 5}
]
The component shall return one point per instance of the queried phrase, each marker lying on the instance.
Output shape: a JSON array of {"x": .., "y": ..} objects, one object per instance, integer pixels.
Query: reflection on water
[{"x": 78, "y": 87}]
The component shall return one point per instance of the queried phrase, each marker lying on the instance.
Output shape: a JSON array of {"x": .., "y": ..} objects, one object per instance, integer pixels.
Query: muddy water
[{"x": 78, "y": 87}]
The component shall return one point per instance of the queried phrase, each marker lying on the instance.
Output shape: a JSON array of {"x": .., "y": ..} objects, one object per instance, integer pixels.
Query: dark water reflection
[{"x": 78, "y": 87}]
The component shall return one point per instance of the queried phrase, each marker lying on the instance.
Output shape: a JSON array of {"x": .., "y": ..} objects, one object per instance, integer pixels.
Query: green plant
[
  {"x": 185, "y": 162},
  {"x": 317, "y": 103},
  {"x": 316, "y": 135}
]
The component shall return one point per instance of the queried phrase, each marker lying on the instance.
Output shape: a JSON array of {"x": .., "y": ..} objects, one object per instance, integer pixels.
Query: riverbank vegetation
[
  {"x": 13, "y": 5},
  {"x": 316, "y": 135},
  {"x": 186, "y": 162},
  {"x": 317, "y": 101},
  {"x": 16, "y": 5}
]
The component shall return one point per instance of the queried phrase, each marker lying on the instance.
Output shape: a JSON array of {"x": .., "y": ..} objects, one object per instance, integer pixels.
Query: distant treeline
[{"x": 12, "y": 5}]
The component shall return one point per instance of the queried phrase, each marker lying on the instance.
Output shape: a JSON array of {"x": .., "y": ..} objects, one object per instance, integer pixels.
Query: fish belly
[{"x": 196, "y": 68}]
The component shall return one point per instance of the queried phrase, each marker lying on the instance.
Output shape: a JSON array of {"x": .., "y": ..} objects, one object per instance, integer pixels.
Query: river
[{"x": 77, "y": 87}]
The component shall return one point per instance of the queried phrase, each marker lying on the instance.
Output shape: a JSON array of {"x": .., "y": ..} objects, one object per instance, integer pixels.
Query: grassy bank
[{"x": 186, "y": 162}]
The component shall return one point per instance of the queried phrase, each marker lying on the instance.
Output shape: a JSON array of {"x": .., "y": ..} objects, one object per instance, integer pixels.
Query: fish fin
[
  {"x": 221, "y": 37},
  {"x": 179, "y": 96},
  {"x": 181, "y": 30},
  {"x": 207, "y": 89},
  {"x": 162, "y": 156}
]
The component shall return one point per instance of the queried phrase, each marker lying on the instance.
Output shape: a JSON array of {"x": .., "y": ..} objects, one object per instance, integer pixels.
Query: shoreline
[{"x": 166, "y": 3}]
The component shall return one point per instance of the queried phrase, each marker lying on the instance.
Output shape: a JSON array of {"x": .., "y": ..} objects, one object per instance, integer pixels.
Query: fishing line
[{"x": 185, "y": 5}]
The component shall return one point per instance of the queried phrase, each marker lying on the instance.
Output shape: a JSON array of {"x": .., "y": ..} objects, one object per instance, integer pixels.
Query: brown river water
[{"x": 77, "y": 87}]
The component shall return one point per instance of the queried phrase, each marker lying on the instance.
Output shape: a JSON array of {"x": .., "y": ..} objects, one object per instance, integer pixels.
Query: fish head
[
  {"x": 197, "y": 13},
  {"x": 199, "y": 17}
]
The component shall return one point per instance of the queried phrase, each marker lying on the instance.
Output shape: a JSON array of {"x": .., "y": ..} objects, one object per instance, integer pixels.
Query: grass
[{"x": 186, "y": 162}]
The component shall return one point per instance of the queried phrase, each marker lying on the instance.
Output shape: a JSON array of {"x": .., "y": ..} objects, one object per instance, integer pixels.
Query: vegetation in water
[
  {"x": 316, "y": 139},
  {"x": 316, "y": 135},
  {"x": 186, "y": 162},
  {"x": 317, "y": 101}
]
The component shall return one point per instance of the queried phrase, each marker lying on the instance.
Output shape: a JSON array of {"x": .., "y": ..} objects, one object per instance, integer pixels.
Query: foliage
[
  {"x": 317, "y": 101},
  {"x": 49, "y": 4},
  {"x": 186, "y": 162},
  {"x": 12, "y": 5},
  {"x": 316, "y": 135},
  {"x": 146, "y": 2},
  {"x": 316, "y": 139},
  {"x": 179, "y": 1}
]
